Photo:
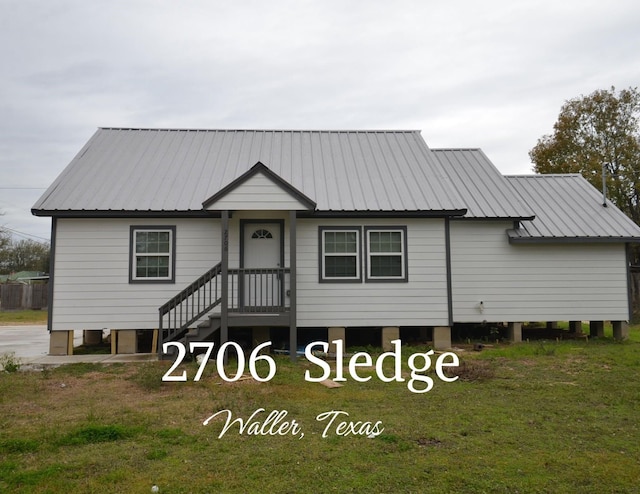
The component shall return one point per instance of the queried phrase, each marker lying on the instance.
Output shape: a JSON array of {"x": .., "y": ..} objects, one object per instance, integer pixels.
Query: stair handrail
[{"x": 186, "y": 315}]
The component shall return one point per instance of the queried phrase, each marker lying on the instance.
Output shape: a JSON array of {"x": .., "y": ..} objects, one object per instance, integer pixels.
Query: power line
[{"x": 28, "y": 236}]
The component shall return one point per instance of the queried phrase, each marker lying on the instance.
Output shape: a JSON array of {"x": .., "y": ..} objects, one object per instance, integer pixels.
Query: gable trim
[{"x": 260, "y": 168}]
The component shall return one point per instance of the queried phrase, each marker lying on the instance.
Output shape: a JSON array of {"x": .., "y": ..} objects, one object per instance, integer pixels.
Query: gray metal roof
[
  {"x": 568, "y": 208},
  {"x": 487, "y": 194},
  {"x": 164, "y": 170},
  {"x": 173, "y": 171}
]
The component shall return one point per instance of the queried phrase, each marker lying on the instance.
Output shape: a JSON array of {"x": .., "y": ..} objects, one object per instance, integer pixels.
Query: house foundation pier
[
  {"x": 575, "y": 327},
  {"x": 388, "y": 335},
  {"x": 333, "y": 334},
  {"x": 61, "y": 343},
  {"x": 91, "y": 337},
  {"x": 596, "y": 329},
  {"x": 441, "y": 337},
  {"x": 515, "y": 332},
  {"x": 124, "y": 341},
  {"x": 259, "y": 335},
  {"x": 620, "y": 330}
]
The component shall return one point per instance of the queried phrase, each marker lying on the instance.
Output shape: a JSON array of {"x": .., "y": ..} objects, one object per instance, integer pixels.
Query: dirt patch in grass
[
  {"x": 429, "y": 442},
  {"x": 471, "y": 370}
]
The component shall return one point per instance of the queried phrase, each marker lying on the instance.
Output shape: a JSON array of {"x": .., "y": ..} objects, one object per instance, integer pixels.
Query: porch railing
[
  {"x": 249, "y": 291},
  {"x": 259, "y": 290}
]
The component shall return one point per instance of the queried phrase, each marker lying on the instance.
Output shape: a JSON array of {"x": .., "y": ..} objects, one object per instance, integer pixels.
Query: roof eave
[
  {"x": 446, "y": 213},
  {"x": 117, "y": 213},
  {"x": 515, "y": 239},
  {"x": 201, "y": 213},
  {"x": 497, "y": 218}
]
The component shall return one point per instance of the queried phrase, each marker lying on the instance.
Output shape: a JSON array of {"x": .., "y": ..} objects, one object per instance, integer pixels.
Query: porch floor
[{"x": 257, "y": 319}]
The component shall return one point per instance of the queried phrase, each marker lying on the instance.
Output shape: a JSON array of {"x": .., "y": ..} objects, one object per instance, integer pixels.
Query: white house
[{"x": 157, "y": 232}]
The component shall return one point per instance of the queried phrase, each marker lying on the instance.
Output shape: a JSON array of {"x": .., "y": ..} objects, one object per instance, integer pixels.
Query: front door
[{"x": 261, "y": 262}]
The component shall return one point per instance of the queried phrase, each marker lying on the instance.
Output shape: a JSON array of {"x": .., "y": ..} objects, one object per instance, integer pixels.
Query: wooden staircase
[
  {"x": 255, "y": 297},
  {"x": 198, "y": 299},
  {"x": 203, "y": 332}
]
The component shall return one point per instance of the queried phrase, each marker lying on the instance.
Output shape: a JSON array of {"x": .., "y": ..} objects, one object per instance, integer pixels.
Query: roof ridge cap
[
  {"x": 343, "y": 131},
  {"x": 543, "y": 175},
  {"x": 457, "y": 149}
]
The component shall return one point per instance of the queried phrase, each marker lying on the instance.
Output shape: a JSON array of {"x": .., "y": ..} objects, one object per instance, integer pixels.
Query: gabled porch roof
[{"x": 257, "y": 189}]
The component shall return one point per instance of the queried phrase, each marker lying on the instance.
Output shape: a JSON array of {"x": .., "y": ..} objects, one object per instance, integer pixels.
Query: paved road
[
  {"x": 31, "y": 345},
  {"x": 28, "y": 341}
]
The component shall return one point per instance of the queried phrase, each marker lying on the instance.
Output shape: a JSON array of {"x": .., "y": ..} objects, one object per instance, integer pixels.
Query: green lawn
[
  {"x": 16, "y": 317},
  {"x": 531, "y": 418}
]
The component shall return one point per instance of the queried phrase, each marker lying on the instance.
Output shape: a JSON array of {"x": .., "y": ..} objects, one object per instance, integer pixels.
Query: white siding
[
  {"x": 92, "y": 289},
  {"x": 258, "y": 193},
  {"x": 422, "y": 301},
  {"x": 538, "y": 282},
  {"x": 91, "y": 277}
]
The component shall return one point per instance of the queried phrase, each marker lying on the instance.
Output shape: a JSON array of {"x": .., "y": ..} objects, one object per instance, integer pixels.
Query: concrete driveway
[
  {"x": 28, "y": 341},
  {"x": 31, "y": 345}
]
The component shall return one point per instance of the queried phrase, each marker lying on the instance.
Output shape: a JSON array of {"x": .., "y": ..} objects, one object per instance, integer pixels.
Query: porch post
[
  {"x": 293, "y": 329},
  {"x": 224, "y": 285}
]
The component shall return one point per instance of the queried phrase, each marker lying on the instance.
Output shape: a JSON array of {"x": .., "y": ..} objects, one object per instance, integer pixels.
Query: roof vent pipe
[{"x": 604, "y": 185}]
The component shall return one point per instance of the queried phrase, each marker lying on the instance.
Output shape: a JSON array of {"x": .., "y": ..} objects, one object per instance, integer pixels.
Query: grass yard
[
  {"x": 536, "y": 417},
  {"x": 17, "y": 317}
]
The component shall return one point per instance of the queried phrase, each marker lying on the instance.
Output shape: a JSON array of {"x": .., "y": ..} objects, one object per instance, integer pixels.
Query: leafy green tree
[
  {"x": 23, "y": 255},
  {"x": 29, "y": 255},
  {"x": 596, "y": 132}
]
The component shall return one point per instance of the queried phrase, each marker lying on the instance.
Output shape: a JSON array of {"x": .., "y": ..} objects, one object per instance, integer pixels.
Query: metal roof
[
  {"x": 487, "y": 194},
  {"x": 166, "y": 170},
  {"x": 173, "y": 171},
  {"x": 568, "y": 208}
]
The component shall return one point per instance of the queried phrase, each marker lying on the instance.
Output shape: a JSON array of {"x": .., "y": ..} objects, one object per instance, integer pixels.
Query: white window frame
[
  {"x": 133, "y": 271},
  {"x": 358, "y": 256},
  {"x": 403, "y": 277}
]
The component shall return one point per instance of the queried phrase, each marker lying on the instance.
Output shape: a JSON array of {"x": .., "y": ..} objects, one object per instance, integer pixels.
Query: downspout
[
  {"x": 52, "y": 263},
  {"x": 224, "y": 307},
  {"x": 447, "y": 240},
  {"x": 293, "y": 267},
  {"x": 629, "y": 281}
]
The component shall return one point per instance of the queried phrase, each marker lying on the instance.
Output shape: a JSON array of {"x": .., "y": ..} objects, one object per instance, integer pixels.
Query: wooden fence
[{"x": 20, "y": 297}]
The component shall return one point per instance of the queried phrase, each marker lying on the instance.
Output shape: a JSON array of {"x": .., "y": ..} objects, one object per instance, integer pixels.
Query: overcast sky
[{"x": 489, "y": 74}]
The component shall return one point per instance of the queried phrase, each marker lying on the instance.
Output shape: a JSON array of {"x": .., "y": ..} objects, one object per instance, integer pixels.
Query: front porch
[{"x": 233, "y": 297}]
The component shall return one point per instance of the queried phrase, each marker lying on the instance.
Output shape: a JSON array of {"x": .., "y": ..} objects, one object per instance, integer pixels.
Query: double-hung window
[
  {"x": 340, "y": 254},
  {"x": 152, "y": 254},
  {"x": 386, "y": 258}
]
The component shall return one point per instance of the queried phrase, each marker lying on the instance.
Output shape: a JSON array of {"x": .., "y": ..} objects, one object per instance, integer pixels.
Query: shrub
[{"x": 10, "y": 363}]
